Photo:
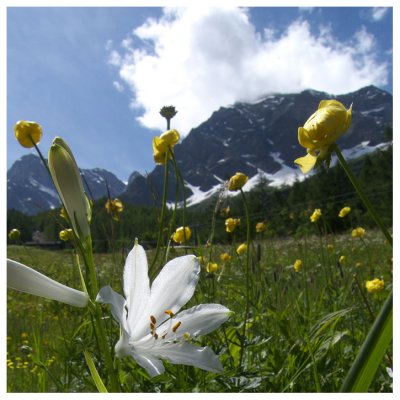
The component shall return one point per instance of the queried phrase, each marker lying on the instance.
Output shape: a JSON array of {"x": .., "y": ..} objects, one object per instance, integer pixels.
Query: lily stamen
[{"x": 176, "y": 326}]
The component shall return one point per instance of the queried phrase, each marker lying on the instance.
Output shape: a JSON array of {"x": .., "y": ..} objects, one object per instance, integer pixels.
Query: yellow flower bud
[
  {"x": 162, "y": 144},
  {"x": 114, "y": 208},
  {"x": 212, "y": 267},
  {"x": 28, "y": 133},
  {"x": 66, "y": 235},
  {"x": 316, "y": 215},
  {"x": 14, "y": 234},
  {"x": 182, "y": 234},
  {"x": 225, "y": 257},
  {"x": 242, "y": 248},
  {"x": 297, "y": 265},
  {"x": 231, "y": 224},
  {"x": 342, "y": 259},
  {"x": 344, "y": 211},
  {"x": 358, "y": 232},
  {"x": 68, "y": 182},
  {"x": 260, "y": 227},
  {"x": 376, "y": 285},
  {"x": 322, "y": 130},
  {"x": 237, "y": 181}
]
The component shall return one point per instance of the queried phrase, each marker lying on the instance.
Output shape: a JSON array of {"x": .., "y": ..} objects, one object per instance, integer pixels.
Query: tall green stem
[
  {"x": 362, "y": 196},
  {"x": 163, "y": 208},
  {"x": 246, "y": 314}
]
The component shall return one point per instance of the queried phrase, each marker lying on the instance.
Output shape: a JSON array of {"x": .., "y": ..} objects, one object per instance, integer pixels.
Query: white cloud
[
  {"x": 118, "y": 86},
  {"x": 378, "y": 13},
  {"x": 200, "y": 59}
]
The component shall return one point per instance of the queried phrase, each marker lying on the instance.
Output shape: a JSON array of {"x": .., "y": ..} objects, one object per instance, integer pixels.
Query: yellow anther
[
  {"x": 152, "y": 326},
  {"x": 176, "y": 326},
  {"x": 153, "y": 319},
  {"x": 169, "y": 312},
  {"x": 163, "y": 336}
]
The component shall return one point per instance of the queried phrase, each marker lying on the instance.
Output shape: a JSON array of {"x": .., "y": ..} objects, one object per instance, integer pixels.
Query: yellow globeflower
[
  {"x": 321, "y": 131},
  {"x": 237, "y": 181},
  {"x": 316, "y": 215},
  {"x": 66, "y": 234},
  {"x": 329, "y": 247},
  {"x": 161, "y": 145},
  {"x": 225, "y": 257},
  {"x": 297, "y": 265},
  {"x": 260, "y": 227},
  {"x": 225, "y": 211},
  {"x": 358, "y": 232},
  {"x": 28, "y": 133},
  {"x": 344, "y": 211},
  {"x": 182, "y": 234},
  {"x": 212, "y": 267},
  {"x": 114, "y": 208},
  {"x": 242, "y": 248},
  {"x": 231, "y": 224},
  {"x": 201, "y": 259},
  {"x": 376, "y": 285},
  {"x": 14, "y": 234},
  {"x": 342, "y": 259}
]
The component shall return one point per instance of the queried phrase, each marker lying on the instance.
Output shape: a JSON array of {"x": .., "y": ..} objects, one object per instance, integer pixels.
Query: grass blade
[{"x": 95, "y": 375}]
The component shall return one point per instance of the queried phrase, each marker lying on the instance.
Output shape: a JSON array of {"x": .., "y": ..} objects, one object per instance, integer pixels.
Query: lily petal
[
  {"x": 26, "y": 279},
  {"x": 171, "y": 290},
  {"x": 107, "y": 295},
  {"x": 136, "y": 284},
  {"x": 189, "y": 354},
  {"x": 151, "y": 364},
  {"x": 197, "y": 321}
]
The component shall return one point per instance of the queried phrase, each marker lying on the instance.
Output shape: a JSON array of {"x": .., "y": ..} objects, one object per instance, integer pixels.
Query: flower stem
[
  {"x": 362, "y": 196},
  {"x": 163, "y": 207},
  {"x": 246, "y": 314}
]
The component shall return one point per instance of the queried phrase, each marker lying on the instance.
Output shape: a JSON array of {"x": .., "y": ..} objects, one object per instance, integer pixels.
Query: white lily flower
[
  {"x": 26, "y": 279},
  {"x": 151, "y": 328},
  {"x": 68, "y": 182}
]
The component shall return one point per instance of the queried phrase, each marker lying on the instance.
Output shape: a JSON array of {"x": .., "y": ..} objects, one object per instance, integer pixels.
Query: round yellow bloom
[
  {"x": 161, "y": 145},
  {"x": 212, "y": 267},
  {"x": 242, "y": 248},
  {"x": 182, "y": 234},
  {"x": 322, "y": 130},
  {"x": 237, "y": 181},
  {"x": 66, "y": 235},
  {"x": 28, "y": 133},
  {"x": 225, "y": 257},
  {"x": 114, "y": 208},
  {"x": 344, "y": 211},
  {"x": 358, "y": 232},
  {"x": 330, "y": 247},
  {"x": 342, "y": 259},
  {"x": 260, "y": 227},
  {"x": 14, "y": 234},
  {"x": 297, "y": 265},
  {"x": 316, "y": 215},
  {"x": 376, "y": 285},
  {"x": 231, "y": 224},
  {"x": 201, "y": 259}
]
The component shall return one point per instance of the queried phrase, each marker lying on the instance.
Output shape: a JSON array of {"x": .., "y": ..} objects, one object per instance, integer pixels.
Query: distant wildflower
[
  {"x": 242, "y": 248},
  {"x": 225, "y": 257},
  {"x": 261, "y": 227},
  {"x": 376, "y": 285},
  {"x": 342, "y": 259},
  {"x": 321, "y": 131},
  {"x": 168, "y": 112},
  {"x": 66, "y": 234},
  {"x": 358, "y": 232},
  {"x": 14, "y": 234},
  {"x": 114, "y": 208},
  {"x": 231, "y": 224},
  {"x": 212, "y": 267},
  {"x": 329, "y": 247},
  {"x": 182, "y": 234},
  {"x": 237, "y": 181},
  {"x": 344, "y": 211},
  {"x": 28, "y": 133},
  {"x": 316, "y": 215},
  {"x": 151, "y": 324},
  {"x": 359, "y": 264},
  {"x": 225, "y": 211},
  {"x": 201, "y": 259},
  {"x": 297, "y": 265},
  {"x": 162, "y": 144}
]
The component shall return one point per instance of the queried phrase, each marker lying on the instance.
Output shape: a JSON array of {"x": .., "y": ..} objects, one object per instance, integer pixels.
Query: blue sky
[{"x": 98, "y": 76}]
